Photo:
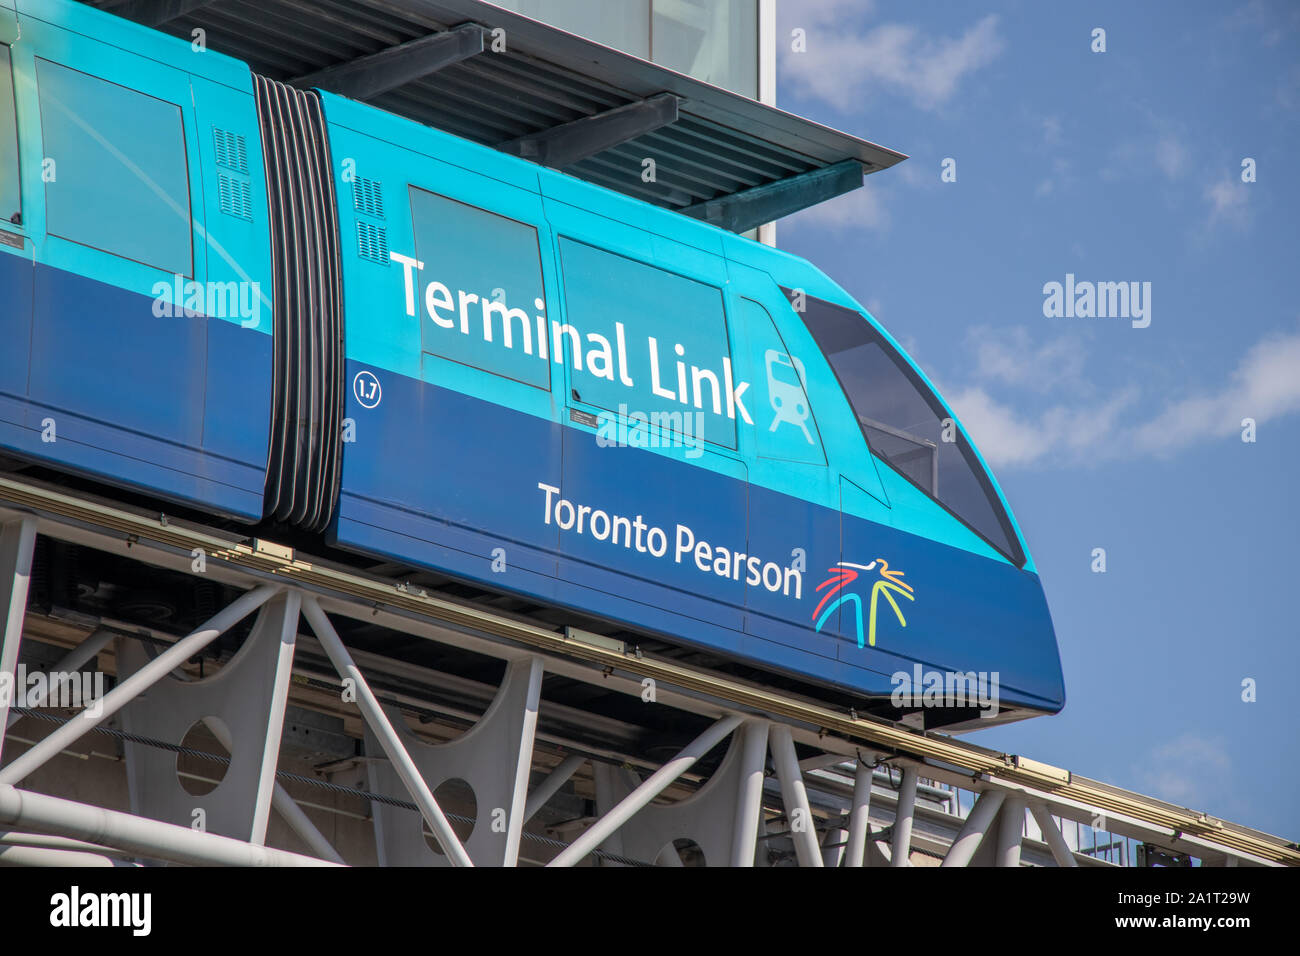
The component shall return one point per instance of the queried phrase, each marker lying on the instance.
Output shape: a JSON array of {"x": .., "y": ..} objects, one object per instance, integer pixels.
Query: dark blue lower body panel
[
  {"x": 449, "y": 482},
  {"x": 93, "y": 382}
]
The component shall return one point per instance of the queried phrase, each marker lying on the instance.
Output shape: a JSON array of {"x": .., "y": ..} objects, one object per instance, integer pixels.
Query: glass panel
[
  {"x": 481, "y": 289},
  {"x": 645, "y": 332},
  {"x": 623, "y": 25},
  {"x": 712, "y": 40},
  {"x": 903, "y": 422},
  {"x": 121, "y": 182},
  {"x": 11, "y": 204}
]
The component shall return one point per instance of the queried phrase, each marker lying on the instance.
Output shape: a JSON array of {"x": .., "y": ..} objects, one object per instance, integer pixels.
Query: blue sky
[{"x": 1117, "y": 166}]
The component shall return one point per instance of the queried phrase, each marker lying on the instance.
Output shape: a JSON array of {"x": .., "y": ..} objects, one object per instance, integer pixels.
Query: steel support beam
[
  {"x": 68, "y": 664},
  {"x": 1010, "y": 830},
  {"x": 749, "y": 799},
  {"x": 573, "y": 142},
  {"x": 24, "y": 855},
  {"x": 1055, "y": 840},
  {"x": 552, "y": 784},
  {"x": 751, "y": 208},
  {"x": 371, "y": 76},
  {"x": 973, "y": 830},
  {"x": 795, "y": 797},
  {"x": 523, "y": 767},
  {"x": 98, "y": 524},
  {"x": 301, "y": 824},
  {"x": 900, "y": 849},
  {"x": 654, "y": 785},
  {"x": 384, "y": 732},
  {"x": 856, "y": 851},
  {"x": 834, "y": 843},
  {"x": 17, "y": 544},
  {"x": 148, "y": 838},
  {"x": 266, "y": 785},
  {"x": 155, "y": 13},
  {"x": 141, "y": 680}
]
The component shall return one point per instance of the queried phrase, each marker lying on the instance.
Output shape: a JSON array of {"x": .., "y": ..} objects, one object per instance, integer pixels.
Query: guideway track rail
[{"x": 959, "y": 759}]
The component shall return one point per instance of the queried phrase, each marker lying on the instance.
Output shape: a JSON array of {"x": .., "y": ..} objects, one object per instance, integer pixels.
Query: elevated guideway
[
  {"x": 514, "y": 737},
  {"x": 267, "y": 703}
]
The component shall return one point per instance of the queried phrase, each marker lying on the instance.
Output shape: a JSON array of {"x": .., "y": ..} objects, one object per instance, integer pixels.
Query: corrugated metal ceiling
[{"x": 720, "y": 145}]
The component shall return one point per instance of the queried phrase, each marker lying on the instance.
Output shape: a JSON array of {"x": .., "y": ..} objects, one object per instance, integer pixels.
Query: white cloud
[
  {"x": 1051, "y": 130},
  {"x": 1264, "y": 386},
  {"x": 1061, "y": 175},
  {"x": 843, "y": 64},
  {"x": 1171, "y": 156},
  {"x": 827, "y": 12},
  {"x": 1003, "y": 437},
  {"x": 1163, "y": 152},
  {"x": 1008, "y": 439},
  {"x": 1227, "y": 199},
  {"x": 1179, "y": 770},
  {"x": 1012, "y": 358}
]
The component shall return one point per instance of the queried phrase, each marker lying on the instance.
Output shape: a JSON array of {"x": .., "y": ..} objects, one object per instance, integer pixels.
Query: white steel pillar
[
  {"x": 524, "y": 765},
  {"x": 973, "y": 830},
  {"x": 1010, "y": 829},
  {"x": 266, "y": 784},
  {"x": 834, "y": 843},
  {"x": 795, "y": 796},
  {"x": 549, "y": 787},
  {"x": 141, "y": 680},
  {"x": 1061, "y": 852},
  {"x": 71, "y": 662},
  {"x": 654, "y": 785},
  {"x": 900, "y": 850},
  {"x": 856, "y": 851},
  {"x": 17, "y": 543},
  {"x": 388, "y": 739},
  {"x": 284, "y": 804},
  {"x": 149, "y": 838},
  {"x": 749, "y": 799}
]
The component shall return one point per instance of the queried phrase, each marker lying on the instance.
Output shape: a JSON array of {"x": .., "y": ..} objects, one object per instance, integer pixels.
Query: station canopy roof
[{"x": 549, "y": 96}]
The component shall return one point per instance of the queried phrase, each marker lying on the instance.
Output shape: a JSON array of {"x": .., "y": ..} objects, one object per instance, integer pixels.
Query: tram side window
[
  {"x": 119, "y": 179},
  {"x": 649, "y": 346},
  {"x": 11, "y": 207},
  {"x": 482, "y": 301},
  {"x": 903, "y": 422}
]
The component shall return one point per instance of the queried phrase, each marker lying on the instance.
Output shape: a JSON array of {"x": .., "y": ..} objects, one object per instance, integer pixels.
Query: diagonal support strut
[
  {"x": 573, "y": 142},
  {"x": 138, "y": 682},
  {"x": 370, "y": 76},
  {"x": 388, "y": 739}
]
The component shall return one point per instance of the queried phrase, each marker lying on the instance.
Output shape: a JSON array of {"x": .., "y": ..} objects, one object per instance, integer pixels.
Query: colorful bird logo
[{"x": 844, "y": 574}]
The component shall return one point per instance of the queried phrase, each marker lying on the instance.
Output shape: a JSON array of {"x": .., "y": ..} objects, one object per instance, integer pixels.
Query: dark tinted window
[
  {"x": 903, "y": 421},
  {"x": 677, "y": 323},
  {"x": 483, "y": 302},
  {"x": 120, "y": 180},
  {"x": 10, "y": 196}
]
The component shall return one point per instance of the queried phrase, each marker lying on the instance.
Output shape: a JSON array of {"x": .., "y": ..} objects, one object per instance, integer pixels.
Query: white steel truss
[{"x": 828, "y": 809}]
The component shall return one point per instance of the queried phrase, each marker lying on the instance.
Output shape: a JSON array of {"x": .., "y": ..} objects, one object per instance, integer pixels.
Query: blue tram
[{"x": 278, "y": 305}]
